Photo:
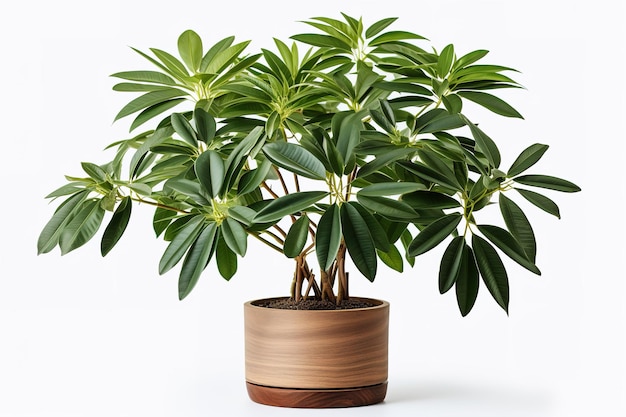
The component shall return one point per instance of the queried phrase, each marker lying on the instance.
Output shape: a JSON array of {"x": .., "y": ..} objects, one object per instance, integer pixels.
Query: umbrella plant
[{"x": 350, "y": 142}]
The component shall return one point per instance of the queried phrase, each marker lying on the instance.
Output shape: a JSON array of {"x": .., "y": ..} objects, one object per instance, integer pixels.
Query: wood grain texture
[
  {"x": 317, "y": 349},
  {"x": 310, "y": 398}
]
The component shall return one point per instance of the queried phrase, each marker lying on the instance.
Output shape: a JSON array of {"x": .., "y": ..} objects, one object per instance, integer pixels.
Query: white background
[{"x": 83, "y": 336}]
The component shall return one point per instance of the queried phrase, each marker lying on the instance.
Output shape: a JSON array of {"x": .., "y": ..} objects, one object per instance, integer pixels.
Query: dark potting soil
[{"x": 312, "y": 304}]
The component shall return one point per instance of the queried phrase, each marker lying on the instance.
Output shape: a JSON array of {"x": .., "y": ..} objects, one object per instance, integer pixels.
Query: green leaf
[
  {"x": 492, "y": 270},
  {"x": 82, "y": 227},
  {"x": 251, "y": 180},
  {"x": 358, "y": 241},
  {"x": 391, "y": 258},
  {"x": 67, "y": 189},
  {"x": 296, "y": 237},
  {"x": 509, "y": 245},
  {"x": 49, "y": 236},
  {"x": 466, "y": 286},
  {"x": 527, "y": 158},
  {"x": 470, "y": 58},
  {"x": 182, "y": 126},
  {"x": 328, "y": 237},
  {"x": 188, "y": 188},
  {"x": 322, "y": 41},
  {"x": 162, "y": 219},
  {"x": 242, "y": 214},
  {"x": 149, "y": 99},
  {"x": 237, "y": 157},
  {"x": 545, "y": 181},
  {"x": 288, "y": 204},
  {"x": 518, "y": 225},
  {"x": 334, "y": 157},
  {"x": 491, "y": 102},
  {"x": 94, "y": 171},
  {"x": 173, "y": 65},
  {"x": 235, "y": 236},
  {"x": 196, "y": 260},
  {"x": 296, "y": 159},
  {"x": 394, "y": 36},
  {"x": 541, "y": 201},
  {"x": 444, "y": 63},
  {"x": 154, "y": 111},
  {"x": 224, "y": 58},
  {"x": 226, "y": 260},
  {"x": 434, "y": 234},
  {"x": 424, "y": 200},
  {"x": 429, "y": 174},
  {"x": 210, "y": 171},
  {"x": 145, "y": 76},
  {"x": 190, "y": 49},
  {"x": 485, "y": 144},
  {"x": 379, "y": 26},
  {"x": 180, "y": 243},
  {"x": 383, "y": 160},
  {"x": 116, "y": 226},
  {"x": 390, "y": 188},
  {"x": 387, "y": 207},
  {"x": 451, "y": 263},
  {"x": 349, "y": 135},
  {"x": 205, "y": 125},
  {"x": 214, "y": 50},
  {"x": 380, "y": 235}
]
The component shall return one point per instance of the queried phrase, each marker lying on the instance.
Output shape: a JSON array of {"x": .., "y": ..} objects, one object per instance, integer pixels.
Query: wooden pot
[{"x": 316, "y": 358}]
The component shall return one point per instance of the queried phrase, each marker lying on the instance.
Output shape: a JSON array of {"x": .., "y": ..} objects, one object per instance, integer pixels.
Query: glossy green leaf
[
  {"x": 210, "y": 171},
  {"x": 288, "y": 204},
  {"x": 67, "y": 189},
  {"x": 349, "y": 135},
  {"x": 328, "y": 237},
  {"x": 205, "y": 125},
  {"x": 428, "y": 174},
  {"x": 251, "y": 180},
  {"x": 82, "y": 227},
  {"x": 296, "y": 237},
  {"x": 235, "y": 161},
  {"x": 467, "y": 282},
  {"x": 392, "y": 258},
  {"x": 322, "y": 41},
  {"x": 451, "y": 263},
  {"x": 149, "y": 99},
  {"x": 226, "y": 260},
  {"x": 334, "y": 157},
  {"x": 546, "y": 181},
  {"x": 296, "y": 159},
  {"x": 224, "y": 58},
  {"x": 188, "y": 188},
  {"x": 358, "y": 241},
  {"x": 162, "y": 219},
  {"x": 145, "y": 76},
  {"x": 470, "y": 58},
  {"x": 153, "y": 111},
  {"x": 94, "y": 171},
  {"x": 387, "y": 207},
  {"x": 244, "y": 215},
  {"x": 214, "y": 50},
  {"x": 174, "y": 66},
  {"x": 380, "y": 235},
  {"x": 485, "y": 144},
  {"x": 430, "y": 200},
  {"x": 383, "y": 160},
  {"x": 190, "y": 49},
  {"x": 541, "y": 201},
  {"x": 527, "y": 158},
  {"x": 491, "y": 102},
  {"x": 116, "y": 227},
  {"x": 184, "y": 129},
  {"x": 434, "y": 234},
  {"x": 390, "y": 188},
  {"x": 379, "y": 26},
  {"x": 394, "y": 36},
  {"x": 519, "y": 226},
  {"x": 492, "y": 271},
  {"x": 235, "y": 236},
  {"x": 181, "y": 243},
  {"x": 509, "y": 245},
  {"x": 49, "y": 236},
  {"x": 196, "y": 260},
  {"x": 444, "y": 62}
]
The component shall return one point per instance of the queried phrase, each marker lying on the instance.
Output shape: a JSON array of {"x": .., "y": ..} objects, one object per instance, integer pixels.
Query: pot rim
[{"x": 378, "y": 304}]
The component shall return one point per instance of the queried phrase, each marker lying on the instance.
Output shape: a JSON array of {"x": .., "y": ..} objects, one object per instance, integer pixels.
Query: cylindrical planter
[{"x": 316, "y": 358}]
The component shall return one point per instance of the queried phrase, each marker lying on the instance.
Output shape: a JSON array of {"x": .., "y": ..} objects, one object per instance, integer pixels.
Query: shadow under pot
[{"x": 316, "y": 358}]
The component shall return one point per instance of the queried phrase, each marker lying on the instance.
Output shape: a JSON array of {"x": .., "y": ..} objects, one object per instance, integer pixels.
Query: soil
[{"x": 312, "y": 304}]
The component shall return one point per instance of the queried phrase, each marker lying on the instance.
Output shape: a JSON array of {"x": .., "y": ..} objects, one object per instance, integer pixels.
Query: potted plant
[{"x": 356, "y": 149}]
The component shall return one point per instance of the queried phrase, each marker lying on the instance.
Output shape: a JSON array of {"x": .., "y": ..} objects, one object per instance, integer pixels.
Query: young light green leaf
[
  {"x": 451, "y": 263},
  {"x": 492, "y": 270},
  {"x": 527, "y": 158},
  {"x": 358, "y": 241},
  {"x": 82, "y": 227},
  {"x": 296, "y": 237},
  {"x": 145, "y": 77},
  {"x": 210, "y": 170},
  {"x": 94, "y": 171},
  {"x": 391, "y": 258},
  {"x": 49, "y": 236},
  {"x": 379, "y": 26},
  {"x": 394, "y": 36},
  {"x": 328, "y": 237},
  {"x": 235, "y": 236},
  {"x": 518, "y": 225},
  {"x": 467, "y": 282},
  {"x": 116, "y": 226},
  {"x": 491, "y": 102},
  {"x": 541, "y": 201},
  {"x": 190, "y": 49},
  {"x": 296, "y": 159},
  {"x": 444, "y": 62},
  {"x": 546, "y": 181},
  {"x": 288, "y": 204},
  {"x": 434, "y": 234},
  {"x": 509, "y": 245},
  {"x": 196, "y": 260},
  {"x": 180, "y": 243}
]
